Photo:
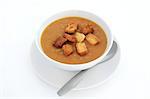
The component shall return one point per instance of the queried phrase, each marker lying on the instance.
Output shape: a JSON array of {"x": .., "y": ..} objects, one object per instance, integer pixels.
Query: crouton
[
  {"x": 59, "y": 42},
  {"x": 67, "y": 49},
  {"x": 70, "y": 38},
  {"x": 81, "y": 48},
  {"x": 92, "y": 39},
  {"x": 79, "y": 36},
  {"x": 85, "y": 29},
  {"x": 71, "y": 28}
]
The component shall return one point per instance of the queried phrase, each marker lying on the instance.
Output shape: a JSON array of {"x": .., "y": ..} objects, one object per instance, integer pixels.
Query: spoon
[{"x": 75, "y": 80}]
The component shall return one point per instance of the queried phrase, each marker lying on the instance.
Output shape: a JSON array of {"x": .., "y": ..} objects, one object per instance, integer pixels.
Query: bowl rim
[{"x": 81, "y": 66}]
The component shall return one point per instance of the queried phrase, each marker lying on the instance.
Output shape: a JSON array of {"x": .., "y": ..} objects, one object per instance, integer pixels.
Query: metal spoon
[{"x": 75, "y": 80}]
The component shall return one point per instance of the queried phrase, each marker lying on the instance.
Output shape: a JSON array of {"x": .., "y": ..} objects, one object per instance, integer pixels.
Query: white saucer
[{"x": 57, "y": 78}]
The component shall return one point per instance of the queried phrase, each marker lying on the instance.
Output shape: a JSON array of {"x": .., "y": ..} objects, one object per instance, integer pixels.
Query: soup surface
[{"x": 56, "y": 29}]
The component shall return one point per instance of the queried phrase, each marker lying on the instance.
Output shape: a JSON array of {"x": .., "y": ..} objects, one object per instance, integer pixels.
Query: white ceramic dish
[
  {"x": 87, "y": 15},
  {"x": 57, "y": 78}
]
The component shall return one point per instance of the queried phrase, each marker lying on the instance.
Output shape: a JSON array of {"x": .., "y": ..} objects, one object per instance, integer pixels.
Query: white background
[{"x": 129, "y": 21}]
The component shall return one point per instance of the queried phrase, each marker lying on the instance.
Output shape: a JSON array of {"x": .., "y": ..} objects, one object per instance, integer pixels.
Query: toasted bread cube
[
  {"x": 85, "y": 29},
  {"x": 79, "y": 36},
  {"x": 67, "y": 49},
  {"x": 59, "y": 42},
  {"x": 71, "y": 28},
  {"x": 81, "y": 48},
  {"x": 92, "y": 39},
  {"x": 70, "y": 38}
]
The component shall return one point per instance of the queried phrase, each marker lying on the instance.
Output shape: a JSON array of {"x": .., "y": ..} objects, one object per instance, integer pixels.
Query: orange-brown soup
[{"x": 56, "y": 29}]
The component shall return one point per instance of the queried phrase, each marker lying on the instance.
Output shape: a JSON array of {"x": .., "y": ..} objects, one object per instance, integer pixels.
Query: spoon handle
[{"x": 73, "y": 82}]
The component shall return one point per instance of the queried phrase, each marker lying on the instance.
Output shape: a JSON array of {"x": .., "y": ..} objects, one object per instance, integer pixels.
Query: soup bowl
[{"x": 74, "y": 13}]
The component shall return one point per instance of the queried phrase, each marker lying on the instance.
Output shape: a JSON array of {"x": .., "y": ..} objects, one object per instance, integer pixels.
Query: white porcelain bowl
[{"x": 87, "y": 15}]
